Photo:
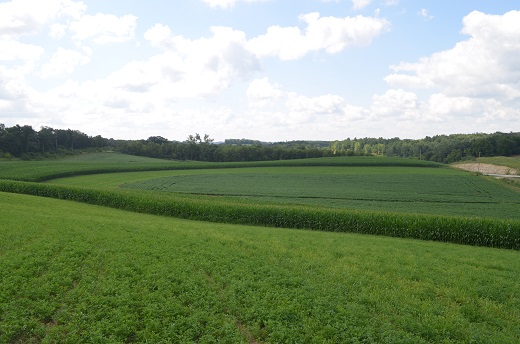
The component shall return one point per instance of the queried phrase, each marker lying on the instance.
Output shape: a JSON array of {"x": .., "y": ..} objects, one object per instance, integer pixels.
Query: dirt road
[{"x": 487, "y": 168}]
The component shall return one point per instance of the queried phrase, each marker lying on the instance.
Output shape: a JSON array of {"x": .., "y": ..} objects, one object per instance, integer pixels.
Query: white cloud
[
  {"x": 11, "y": 50},
  {"x": 321, "y": 105},
  {"x": 19, "y": 17},
  {"x": 228, "y": 3},
  {"x": 261, "y": 92},
  {"x": 64, "y": 62},
  {"x": 159, "y": 36},
  {"x": 104, "y": 28},
  {"x": 485, "y": 65},
  {"x": 395, "y": 103},
  {"x": 328, "y": 33},
  {"x": 199, "y": 67},
  {"x": 271, "y": 106},
  {"x": 358, "y": 4},
  {"x": 425, "y": 14}
]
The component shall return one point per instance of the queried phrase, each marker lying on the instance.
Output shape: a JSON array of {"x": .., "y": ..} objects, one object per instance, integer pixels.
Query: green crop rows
[
  {"x": 471, "y": 231},
  {"x": 419, "y": 190},
  {"x": 115, "y": 163},
  {"x": 320, "y": 194}
]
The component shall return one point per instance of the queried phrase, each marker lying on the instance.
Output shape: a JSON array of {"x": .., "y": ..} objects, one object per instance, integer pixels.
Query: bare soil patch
[{"x": 486, "y": 168}]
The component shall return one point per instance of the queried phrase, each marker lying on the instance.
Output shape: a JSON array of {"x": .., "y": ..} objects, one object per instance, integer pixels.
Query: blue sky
[{"x": 271, "y": 70}]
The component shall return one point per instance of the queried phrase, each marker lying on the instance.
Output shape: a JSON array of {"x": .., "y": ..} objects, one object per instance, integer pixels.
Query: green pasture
[{"x": 77, "y": 273}]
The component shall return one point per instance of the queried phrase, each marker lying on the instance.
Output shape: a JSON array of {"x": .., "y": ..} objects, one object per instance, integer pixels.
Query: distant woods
[
  {"x": 440, "y": 148},
  {"x": 26, "y": 143}
]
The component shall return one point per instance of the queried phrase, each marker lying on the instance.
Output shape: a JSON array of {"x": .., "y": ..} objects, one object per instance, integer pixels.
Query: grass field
[{"x": 77, "y": 273}]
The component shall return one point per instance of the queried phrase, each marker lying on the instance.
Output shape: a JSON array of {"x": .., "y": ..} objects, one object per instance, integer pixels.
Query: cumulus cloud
[
  {"x": 358, "y": 4},
  {"x": 63, "y": 62},
  {"x": 271, "y": 106},
  {"x": 485, "y": 65},
  {"x": 12, "y": 50},
  {"x": 425, "y": 14},
  {"x": 331, "y": 34},
  {"x": 395, "y": 103},
  {"x": 228, "y": 3},
  {"x": 202, "y": 66},
  {"x": 19, "y": 17},
  {"x": 261, "y": 92},
  {"x": 104, "y": 28}
]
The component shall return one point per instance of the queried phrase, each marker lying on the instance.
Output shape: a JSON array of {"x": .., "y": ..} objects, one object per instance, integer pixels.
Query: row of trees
[
  {"x": 24, "y": 141},
  {"x": 203, "y": 149},
  {"x": 441, "y": 148}
]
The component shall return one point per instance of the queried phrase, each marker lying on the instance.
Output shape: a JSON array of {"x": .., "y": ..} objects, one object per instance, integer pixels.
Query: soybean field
[{"x": 395, "y": 189}]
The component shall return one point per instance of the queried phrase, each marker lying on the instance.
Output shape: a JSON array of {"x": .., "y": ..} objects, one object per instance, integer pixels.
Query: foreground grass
[{"x": 72, "y": 272}]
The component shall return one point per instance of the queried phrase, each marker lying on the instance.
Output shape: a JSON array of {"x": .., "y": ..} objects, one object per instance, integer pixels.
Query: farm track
[{"x": 487, "y": 169}]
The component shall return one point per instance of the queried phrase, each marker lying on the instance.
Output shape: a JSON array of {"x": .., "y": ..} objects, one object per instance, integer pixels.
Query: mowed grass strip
[{"x": 78, "y": 273}]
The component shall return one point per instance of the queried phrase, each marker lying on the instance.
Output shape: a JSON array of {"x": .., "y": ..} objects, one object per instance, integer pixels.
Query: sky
[{"x": 269, "y": 70}]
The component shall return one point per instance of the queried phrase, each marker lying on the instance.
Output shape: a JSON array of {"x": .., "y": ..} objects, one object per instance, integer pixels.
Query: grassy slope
[
  {"x": 513, "y": 162},
  {"x": 80, "y": 273}
]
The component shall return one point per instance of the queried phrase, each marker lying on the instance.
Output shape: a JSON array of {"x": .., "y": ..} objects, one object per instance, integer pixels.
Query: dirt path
[{"x": 486, "y": 168}]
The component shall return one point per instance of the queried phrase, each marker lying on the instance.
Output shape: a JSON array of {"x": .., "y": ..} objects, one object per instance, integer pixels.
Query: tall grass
[{"x": 460, "y": 230}]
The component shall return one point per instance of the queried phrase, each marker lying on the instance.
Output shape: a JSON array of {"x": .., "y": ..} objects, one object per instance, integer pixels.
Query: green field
[
  {"x": 79, "y": 273},
  {"x": 418, "y": 190},
  {"x": 88, "y": 273},
  {"x": 95, "y": 163},
  {"x": 393, "y": 189}
]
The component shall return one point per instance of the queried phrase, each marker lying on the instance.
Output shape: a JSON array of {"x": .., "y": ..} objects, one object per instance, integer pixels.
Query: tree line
[
  {"x": 206, "y": 150},
  {"x": 27, "y": 143},
  {"x": 440, "y": 148}
]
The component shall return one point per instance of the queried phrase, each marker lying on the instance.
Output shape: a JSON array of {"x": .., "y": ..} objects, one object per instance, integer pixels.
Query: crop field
[
  {"x": 95, "y": 163},
  {"x": 394, "y": 189},
  {"x": 396, "y": 197},
  {"x": 132, "y": 265},
  {"x": 78, "y": 273}
]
